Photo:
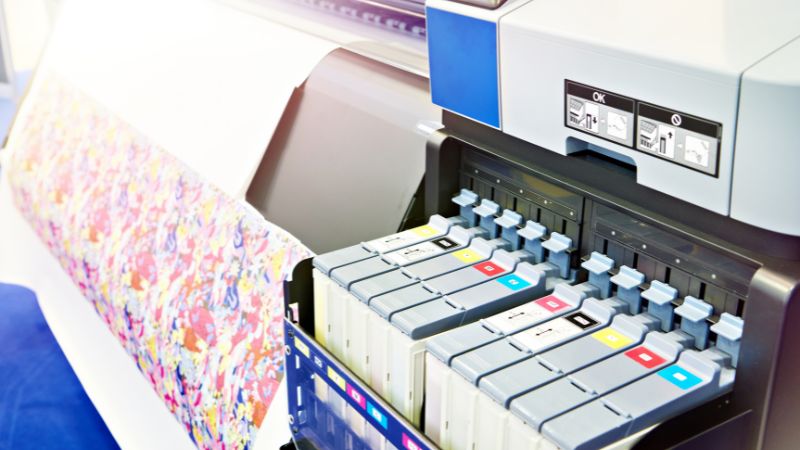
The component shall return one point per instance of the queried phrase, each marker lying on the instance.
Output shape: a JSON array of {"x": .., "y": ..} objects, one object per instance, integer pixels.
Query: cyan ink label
[
  {"x": 680, "y": 377},
  {"x": 513, "y": 282},
  {"x": 377, "y": 415}
]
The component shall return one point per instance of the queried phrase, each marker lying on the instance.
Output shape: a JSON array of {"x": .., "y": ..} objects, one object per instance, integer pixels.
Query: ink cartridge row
[
  {"x": 377, "y": 303},
  {"x": 478, "y": 318},
  {"x": 589, "y": 378}
]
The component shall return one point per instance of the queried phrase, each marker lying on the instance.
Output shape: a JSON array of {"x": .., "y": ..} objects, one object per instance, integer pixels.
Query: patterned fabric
[{"x": 186, "y": 278}]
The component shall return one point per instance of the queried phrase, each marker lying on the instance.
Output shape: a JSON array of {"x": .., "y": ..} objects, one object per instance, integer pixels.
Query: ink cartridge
[
  {"x": 697, "y": 377},
  {"x": 479, "y": 250},
  {"x": 624, "y": 332},
  {"x": 565, "y": 298},
  {"x": 323, "y": 264},
  {"x": 657, "y": 351},
  {"x": 339, "y": 301},
  {"x": 468, "y": 305},
  {"x": 519, "y": 346},
  {"x": 501, "y": 262},
  {"x": 455, "y": 239}
]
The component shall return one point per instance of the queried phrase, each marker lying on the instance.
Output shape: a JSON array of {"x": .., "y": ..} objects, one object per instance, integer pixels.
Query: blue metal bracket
[{"x": 316, "y": 421}]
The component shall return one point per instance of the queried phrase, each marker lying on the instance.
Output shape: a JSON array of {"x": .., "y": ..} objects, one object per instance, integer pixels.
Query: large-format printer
[{"x": 604, "y": 251}]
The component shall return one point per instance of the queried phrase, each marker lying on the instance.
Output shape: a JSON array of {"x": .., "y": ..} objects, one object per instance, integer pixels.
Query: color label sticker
[
  {"x": 302, "y": 347},
  {"x": 356, "y": 396},
  {"x": 612, "y": 338},
  {"x": 424, "y": 231},
  {"x": 409, "y": 444},
  {"x": 513, "y": 282},
  {"x": 645, "y": 357},
  {"x": 467, "y": 256},
  {"x": 445, "y": 243},
  {"x": 377, "y": 415},
  {"x": 336, "y": 378},
  {"x": 581, "y": 320},
  {"x": 680, "y": 377},
  {"x": 522, "y": 316},
  {"x": 551, "y": 303},
  {"x": 489, "y": 268}
]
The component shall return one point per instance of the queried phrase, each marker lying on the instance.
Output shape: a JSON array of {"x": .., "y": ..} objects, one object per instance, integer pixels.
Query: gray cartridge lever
[
  {"x": 486, "y": 212},
  {"x": 598, "y": 266},
  {"x": 532, "y": 236},
  {"x": 509, "y": 223},
  {"x": 729, "y": 335},
  {"x": 557, "y": 245},
  {"x": 466, "y": 201},
  {"x": 501, "y": 244},
  {"x": 660, "y": 297},
  {"x": 628, "y": 281},
  {"x": 694, "y": 313}
]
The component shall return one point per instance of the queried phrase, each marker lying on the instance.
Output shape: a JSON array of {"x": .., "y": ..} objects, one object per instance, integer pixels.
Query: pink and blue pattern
[{"x": 189, "y": 281}]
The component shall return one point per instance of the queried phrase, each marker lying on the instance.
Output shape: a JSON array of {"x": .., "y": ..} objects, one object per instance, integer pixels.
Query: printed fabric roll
[{"x": 188, "y": 281}]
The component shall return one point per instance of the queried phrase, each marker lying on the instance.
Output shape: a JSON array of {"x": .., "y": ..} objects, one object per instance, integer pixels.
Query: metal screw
[
  {"x": 291, "y": 419},
  {"x": 288, "y": 350}
]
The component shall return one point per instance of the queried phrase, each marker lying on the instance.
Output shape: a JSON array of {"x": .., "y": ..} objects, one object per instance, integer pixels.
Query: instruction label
[
  {"x": 599, "y": 112},
  {"x": 420, "y": 251},
  {"x": 526, "y": 315},
  {"x": 554, "y": 331},
  {"x": 681, "y": 138},
  {"x": 403, "y": 238},
  {"x": 674, "y": 136}
]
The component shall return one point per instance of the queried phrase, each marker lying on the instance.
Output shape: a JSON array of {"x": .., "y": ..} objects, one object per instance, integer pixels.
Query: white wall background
[{"x": 29, "y": 23}]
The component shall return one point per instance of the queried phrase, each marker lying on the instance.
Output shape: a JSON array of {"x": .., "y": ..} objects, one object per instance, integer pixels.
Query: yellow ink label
[
  {"x": 301, "y": 347},
  {"x": 425, "y": 231},
  {"x": 467, "y": 256},
  {"x": 336, "y": 378},
  {"x": 612, "y": 338}
]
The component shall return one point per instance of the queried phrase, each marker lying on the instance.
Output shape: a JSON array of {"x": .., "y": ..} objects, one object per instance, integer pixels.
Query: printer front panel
[{"x": 674, "y": 123}]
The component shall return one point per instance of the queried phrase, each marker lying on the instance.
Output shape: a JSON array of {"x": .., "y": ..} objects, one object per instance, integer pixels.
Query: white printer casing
[{"x": 729, "y": 67}]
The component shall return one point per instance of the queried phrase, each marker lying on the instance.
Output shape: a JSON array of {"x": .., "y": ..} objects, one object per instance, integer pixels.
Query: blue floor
[{"x": 42, "y": 403}]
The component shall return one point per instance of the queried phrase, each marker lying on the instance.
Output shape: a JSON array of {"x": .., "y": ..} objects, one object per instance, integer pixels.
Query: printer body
[
  {"x": 662, "y": 136},
  {"x": 697, "y": 98}
]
